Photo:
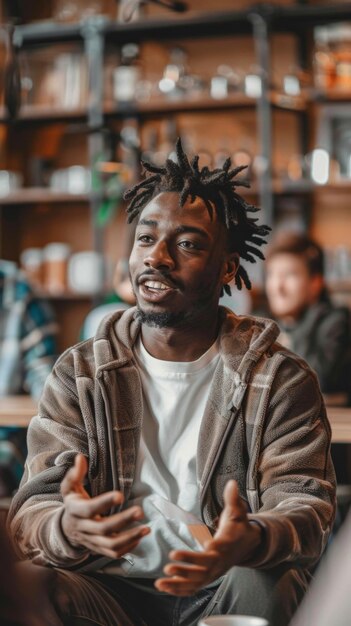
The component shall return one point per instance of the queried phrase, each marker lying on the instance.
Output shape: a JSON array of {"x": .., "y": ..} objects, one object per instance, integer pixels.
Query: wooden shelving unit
[
  {"x": 159, "y": 107},
  {"x": 41, "y": 195},
  {"x": 44, "y": 125}
]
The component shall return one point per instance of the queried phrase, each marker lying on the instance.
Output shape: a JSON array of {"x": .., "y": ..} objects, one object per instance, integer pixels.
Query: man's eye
[
  {"x": 145, "y": 238},
  {"x": 188, "y": 245}
]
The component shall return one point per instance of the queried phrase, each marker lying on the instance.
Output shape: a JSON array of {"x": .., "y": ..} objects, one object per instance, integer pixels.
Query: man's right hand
[{"x": 83, "y": 523}]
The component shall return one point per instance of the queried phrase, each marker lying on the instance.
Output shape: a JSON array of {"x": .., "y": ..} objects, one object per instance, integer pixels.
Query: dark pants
[{"x": 101, "y": 600}]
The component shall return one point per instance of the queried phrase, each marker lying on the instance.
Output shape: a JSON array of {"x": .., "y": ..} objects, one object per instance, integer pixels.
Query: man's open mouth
[{"x": 155, "y": 285}]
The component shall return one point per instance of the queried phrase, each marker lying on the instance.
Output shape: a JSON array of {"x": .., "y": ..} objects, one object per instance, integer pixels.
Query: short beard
[{"x": 166, "y": 319}]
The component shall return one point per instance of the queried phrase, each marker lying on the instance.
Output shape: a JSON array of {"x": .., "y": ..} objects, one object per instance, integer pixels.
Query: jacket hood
[{"x": 243, "y": 340}]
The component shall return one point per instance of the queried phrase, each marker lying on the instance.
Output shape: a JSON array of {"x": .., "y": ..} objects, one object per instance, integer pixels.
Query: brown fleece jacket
[{"x": 264, "y": 425}]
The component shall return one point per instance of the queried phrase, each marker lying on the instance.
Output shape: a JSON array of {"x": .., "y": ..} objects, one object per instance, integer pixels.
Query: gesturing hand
[
  {"x": 233, "y": 543},
  {"x": 82, "y": 520}
]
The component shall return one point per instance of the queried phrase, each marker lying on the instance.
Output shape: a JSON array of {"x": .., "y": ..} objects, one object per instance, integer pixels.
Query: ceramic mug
[{"x": 233, "y": 620}]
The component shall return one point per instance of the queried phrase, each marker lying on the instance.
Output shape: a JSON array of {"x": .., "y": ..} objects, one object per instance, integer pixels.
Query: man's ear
[
  {"x": 230, "y": 267},
  {"x": 316, "y": 286}
]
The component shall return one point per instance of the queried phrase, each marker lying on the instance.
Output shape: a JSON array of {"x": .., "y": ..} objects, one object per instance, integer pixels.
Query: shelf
[
  {"x": 43, "y": 114},
  {"x": 335, "y": 186},
  {"x": 153, "y": 108},
  {"x": 38, "y": 195},
  {"x": 340, "y": 286},
  {"x": 328, "y": 95},
  {"x": 296, "y": 104},
  {"x": 67, "y": 296},
  {"x": 156, "y": 107},
  {"x": 192, "y": 25},
  {"x": 195, "y": 25},
  {"x": 160, "y": 106},
  {"x": 283, "y": 187},
  {"x": 309, "y": 95}
]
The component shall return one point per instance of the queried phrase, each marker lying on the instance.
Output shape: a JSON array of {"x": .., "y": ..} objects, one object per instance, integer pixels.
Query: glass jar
[{"x": 55, "y": 267}]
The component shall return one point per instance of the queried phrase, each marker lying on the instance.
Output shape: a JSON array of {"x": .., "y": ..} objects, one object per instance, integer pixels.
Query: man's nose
[{"x": 159, "y": 256}]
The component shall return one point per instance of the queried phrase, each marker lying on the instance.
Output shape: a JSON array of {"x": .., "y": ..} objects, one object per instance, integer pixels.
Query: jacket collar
[{"x": 242, "y": 340}]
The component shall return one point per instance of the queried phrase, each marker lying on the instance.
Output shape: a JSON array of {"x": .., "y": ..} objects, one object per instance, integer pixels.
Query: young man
[{"x": 180, "y": 461}]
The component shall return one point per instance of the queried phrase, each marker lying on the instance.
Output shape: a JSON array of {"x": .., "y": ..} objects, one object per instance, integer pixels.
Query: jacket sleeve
[
  {"x": 296, "y": 481},
  {"x": 55, "y": 436}
]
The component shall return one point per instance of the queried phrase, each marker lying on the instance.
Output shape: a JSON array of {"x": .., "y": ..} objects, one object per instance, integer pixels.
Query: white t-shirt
[{"x": 174, "y": 397}]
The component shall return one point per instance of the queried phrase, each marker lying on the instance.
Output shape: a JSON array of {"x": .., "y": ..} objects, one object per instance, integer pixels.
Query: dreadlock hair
[{"x": 216, "y": 188}]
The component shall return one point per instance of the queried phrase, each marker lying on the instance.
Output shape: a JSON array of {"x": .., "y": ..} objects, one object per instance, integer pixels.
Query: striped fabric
[
  {"x": 27, "y": 354},
  {"x": 27, "y": 335}
]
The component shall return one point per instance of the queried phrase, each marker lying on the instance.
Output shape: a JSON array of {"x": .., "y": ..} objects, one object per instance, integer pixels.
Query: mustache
[{"x": 159, "y": 276}]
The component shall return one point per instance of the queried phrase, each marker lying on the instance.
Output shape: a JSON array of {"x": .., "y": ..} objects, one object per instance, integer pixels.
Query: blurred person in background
[
  {"x": 122, "y": 298},
  {"x": 27, "y": 355},
  {"x": 311, "y": 325}
]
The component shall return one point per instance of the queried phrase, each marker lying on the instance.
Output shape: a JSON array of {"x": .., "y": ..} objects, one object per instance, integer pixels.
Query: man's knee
[
  {"x": 38, "y": 585},
  {"x": 274, "y": 594}
]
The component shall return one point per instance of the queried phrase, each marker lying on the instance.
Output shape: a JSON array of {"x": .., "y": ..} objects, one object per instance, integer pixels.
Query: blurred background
[{"x": 91, "y": 86}]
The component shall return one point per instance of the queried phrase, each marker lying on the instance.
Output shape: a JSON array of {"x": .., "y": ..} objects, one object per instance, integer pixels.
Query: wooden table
[
  {"x": 17, "y": 410},
  {"x": 340, "y": 421}
]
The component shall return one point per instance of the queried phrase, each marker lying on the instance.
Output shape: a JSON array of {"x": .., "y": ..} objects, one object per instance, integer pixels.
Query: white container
[
  {"x": 55, "y": 257},
  {"x": 233, "y": 620},
  {"x": 75, "y": 179},
  {"x": 32, "y": 263},
  {"x": 253, "y": 85},
  {"x": 125, "y": 80},
  {"x": 219, "y": 87},
  {"x": 86, "y": 272},
  {"x": 9, "y": 181}
]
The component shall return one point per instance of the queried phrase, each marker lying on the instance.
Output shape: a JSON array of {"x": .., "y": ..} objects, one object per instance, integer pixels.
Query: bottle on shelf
[
  {"x": 127, "y": 75},
  {"x": 55, "y": 257}
]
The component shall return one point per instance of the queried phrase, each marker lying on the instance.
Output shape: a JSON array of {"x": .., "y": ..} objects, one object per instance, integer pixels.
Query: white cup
[
  {"x": 233, "y": 620},
  {"x": 86, "y": 272}
]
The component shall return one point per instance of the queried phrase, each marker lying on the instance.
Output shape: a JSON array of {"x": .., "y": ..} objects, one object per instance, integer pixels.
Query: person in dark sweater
[{"x": 311, "y": 325}]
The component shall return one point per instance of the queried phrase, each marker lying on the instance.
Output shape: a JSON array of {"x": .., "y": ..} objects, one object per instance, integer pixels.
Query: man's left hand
[{"x": 234, "y": 543}]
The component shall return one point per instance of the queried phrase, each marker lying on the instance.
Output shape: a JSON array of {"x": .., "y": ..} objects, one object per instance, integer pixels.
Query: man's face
[
  {"x": 179, "y": 261},
  {"x": 290, "y": 287}
]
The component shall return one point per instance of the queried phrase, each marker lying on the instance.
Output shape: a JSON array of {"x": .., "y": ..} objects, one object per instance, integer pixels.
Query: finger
[
  {"x": 176, "y": 586},
  {"x": 113, "y": 523},
  {"x": 204, "y": 559},
  {"x": 234, "y": 508},
  {"x": 112, "y": 554},
  {"x": 193, "y": 573},
  {"x": 118, "y": 545},
  {"x": 81, "y": 507},
  {"x": 73, "y": 480}
]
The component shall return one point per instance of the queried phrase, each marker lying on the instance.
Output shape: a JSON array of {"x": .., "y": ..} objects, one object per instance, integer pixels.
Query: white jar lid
[
  {"x": 56, "y": 252},
  {"x": 31, "y": 257}
]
